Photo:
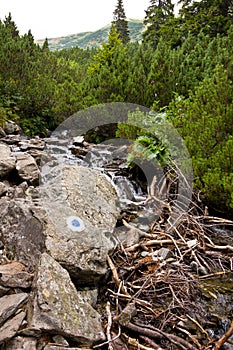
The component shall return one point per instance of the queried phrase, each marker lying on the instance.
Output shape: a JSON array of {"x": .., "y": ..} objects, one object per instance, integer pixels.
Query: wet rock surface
[
  {"x": 54, "y": 246},
  {"x": 82, "y": 253},
  {"x": 40, "y": 306}
]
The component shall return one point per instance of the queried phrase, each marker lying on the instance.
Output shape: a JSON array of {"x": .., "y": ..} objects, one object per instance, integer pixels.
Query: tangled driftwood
[{"x": 154, "y": 295}]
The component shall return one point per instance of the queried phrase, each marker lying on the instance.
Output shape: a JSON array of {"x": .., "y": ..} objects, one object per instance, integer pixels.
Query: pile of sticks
[{"x": 154, "y": 290}]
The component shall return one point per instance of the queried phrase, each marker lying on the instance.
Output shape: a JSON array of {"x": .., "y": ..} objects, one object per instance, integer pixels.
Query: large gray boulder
[
  {"x": 58, "y": 308},
  {"x": 21, "y": 231},
  {"x": 27, "y": 168},
  {"x": 82, "y": 212},
  {"x": 7, "y": 160}
]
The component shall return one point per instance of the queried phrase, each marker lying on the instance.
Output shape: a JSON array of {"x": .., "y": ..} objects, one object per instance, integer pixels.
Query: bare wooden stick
[
  {"x": 156, "y": 333},
  {"x": 153, "y": 242},
  {"x": 136, "y": 344},
  {"x": 199, "y": 326},
  {"x": 107, "y": 342},
  {"x": 192, "y": 337},
  {"x": 214, "y": 274},
  {"x": 152, "y": 343},
  {"x": 116, "y": 277},
  {"x": 220, "y": 247},
  {"x": 109, "y": 326}
]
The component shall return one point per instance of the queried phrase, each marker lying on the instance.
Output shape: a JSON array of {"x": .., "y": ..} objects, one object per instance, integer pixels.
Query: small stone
[
  {"x": 11, "y": 326},
  {"x": 144, "y": 228},
  {"x": 7, "y": 160},
  {"x": 78, "y": 140},
  {"x": 20, "y": 343},
  {"x": 144, "y": 253},
  {"x": 192, "y": 243},
  {"x": 13, "y": 267},
  {"x": 13, "y": 275},
  {"x": 164, "y": 253},
  {"x": 12, "y": 128},
  {"x": 3, "y": 188},
  {"x": 9, "y": 304},
  {"x": 59, "y": 340},
  {"x": 27, "y": 168}
]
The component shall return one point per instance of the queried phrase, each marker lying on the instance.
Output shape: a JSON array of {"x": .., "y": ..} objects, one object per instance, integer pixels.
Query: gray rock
[
  {"x": 7, "y": 160},
  {"x": 164, "y": 253},
  {"x": 2, "y": 132},
  {"x": 3, "y": 291},
  {"x": 57, "y": 307},
  {"x": 13, "y": 275},
  {"x": 27, "y": 168},
  {"x": 3, "y": 188},
  {"x": 78, "y": 140},
  {"x": 20, "y": 279},
  {"x": 127, "y": 236},
  {"x": 9, "y": 304},
  {"x": 20, "y": 343},
  {"x": 87, "y": 195},
  {"x": 21, "y": 232},
  {"x": 57, "y": 347},
  {"x": 59, "y": 340},
  {"x": 10, "y": 327},
  {"x": 89, "y": 296},
  {"x": 12, "y": 128}
]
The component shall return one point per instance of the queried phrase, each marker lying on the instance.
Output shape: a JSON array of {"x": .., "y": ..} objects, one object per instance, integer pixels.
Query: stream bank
[{"x": 128, "y": 282}]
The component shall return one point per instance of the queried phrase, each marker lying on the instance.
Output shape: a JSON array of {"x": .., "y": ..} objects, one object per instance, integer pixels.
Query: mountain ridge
[{"x": 91, "y": 39}]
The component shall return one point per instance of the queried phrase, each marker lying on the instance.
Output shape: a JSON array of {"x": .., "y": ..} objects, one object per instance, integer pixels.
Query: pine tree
[
  {"x": 11, "y": 26},
  {"x": 210, "y": 16},
  {"x": 120, "y": 22},
  {"x": 45, "y": 46},
  {"x": 157, "y": 14}
]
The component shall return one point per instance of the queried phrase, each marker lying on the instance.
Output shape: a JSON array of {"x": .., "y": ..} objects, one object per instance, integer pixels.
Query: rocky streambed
[{"x": 86, "y": 261}]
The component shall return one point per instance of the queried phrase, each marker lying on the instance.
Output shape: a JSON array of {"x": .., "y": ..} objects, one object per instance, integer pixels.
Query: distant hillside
[{"x": 93, "y": 39}]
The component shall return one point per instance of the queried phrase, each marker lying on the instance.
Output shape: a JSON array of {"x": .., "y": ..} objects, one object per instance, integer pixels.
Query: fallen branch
[
  {"x": 109, "y": 326},
  {"x": 152, "y": 343},
  {"x": 153, "y": 242},
  {"x": 136, "y": 344},
  {"x": 220, "y": 247},
  {"x": 107, "y": 342},
  {"x": 156, "y": 333},
  {"x": 199, "y": 326},
  {"x": 116, "y": 277}
]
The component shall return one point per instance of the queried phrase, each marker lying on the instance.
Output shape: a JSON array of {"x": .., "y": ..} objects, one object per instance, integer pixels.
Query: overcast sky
[{"x": 53, "y": 18}]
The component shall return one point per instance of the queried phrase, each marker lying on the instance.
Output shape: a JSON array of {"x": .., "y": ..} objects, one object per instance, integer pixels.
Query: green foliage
[
  {"x": 185, "y": 59},
  {"x": 120, "y": 22},
  {"x": 146, "y": 148},
  {"x": 108, "y": 71},
  {"x": 157, "y": 14},
  {"x": 106, "y": 53},
  {"x": 212, "y": 17},
  {"x": 149, "y": 142},
  {"x": 205, "y": 122}
]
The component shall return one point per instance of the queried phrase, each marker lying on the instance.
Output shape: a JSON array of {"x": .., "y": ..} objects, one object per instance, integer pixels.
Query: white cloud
[{"x": 51, "y": 18}]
